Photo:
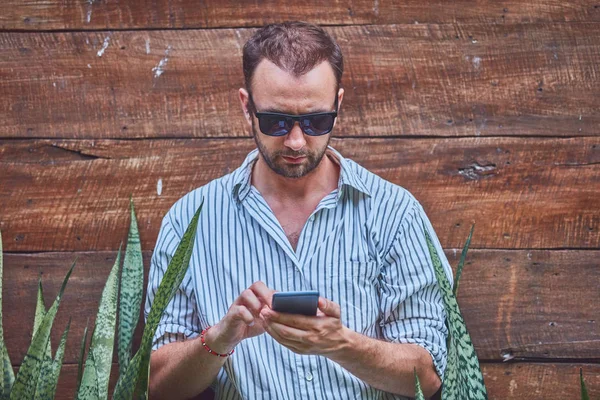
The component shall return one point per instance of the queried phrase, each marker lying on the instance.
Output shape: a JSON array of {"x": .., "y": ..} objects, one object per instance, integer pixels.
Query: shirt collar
[{"x": 241, "y": 176}]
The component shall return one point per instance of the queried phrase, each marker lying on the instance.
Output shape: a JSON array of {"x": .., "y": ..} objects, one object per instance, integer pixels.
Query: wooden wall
[{"x": 487, "y": 111}]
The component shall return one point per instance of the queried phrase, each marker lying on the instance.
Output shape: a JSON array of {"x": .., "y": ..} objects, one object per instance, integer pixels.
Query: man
[{"x": 298, "y": 216}]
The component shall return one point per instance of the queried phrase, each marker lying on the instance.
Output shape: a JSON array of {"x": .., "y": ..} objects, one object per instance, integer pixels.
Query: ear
[
  {"x": 340, "y": 98},
  {"x": 245, "y": 102}
]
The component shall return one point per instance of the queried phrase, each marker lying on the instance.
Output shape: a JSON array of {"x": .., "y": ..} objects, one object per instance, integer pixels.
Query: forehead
[{"x": 277, "y": 90}]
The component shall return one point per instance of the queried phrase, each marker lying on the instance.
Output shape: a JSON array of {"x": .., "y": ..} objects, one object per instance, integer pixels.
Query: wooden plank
[
  {"x": 517, "y": 304},
  {"x": 533, "y": 381},
  {"x": 73, "y": 14},
  {"x": 409, "y": 80},
  {"x": 521, "y": 192}
]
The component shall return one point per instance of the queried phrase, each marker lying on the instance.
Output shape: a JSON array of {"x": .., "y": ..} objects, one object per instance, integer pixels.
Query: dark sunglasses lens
[
  {"x": 317, "y": 125},
  {"x": 273, "y": 126}
]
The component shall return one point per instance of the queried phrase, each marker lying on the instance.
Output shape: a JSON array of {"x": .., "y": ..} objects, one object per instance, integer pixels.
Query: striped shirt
[{"x": 363, "y": 247}]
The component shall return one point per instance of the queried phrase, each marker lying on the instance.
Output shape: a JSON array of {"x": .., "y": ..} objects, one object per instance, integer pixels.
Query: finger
[
  {"x": 264, "y": 293},
  {"x": 241, "y": 313},
  {"x": 329, "y": 308},
  {"x": 286, "y": 335},
  {"x": 248, "y": 298},
  {"x": 298, "y": 321}
]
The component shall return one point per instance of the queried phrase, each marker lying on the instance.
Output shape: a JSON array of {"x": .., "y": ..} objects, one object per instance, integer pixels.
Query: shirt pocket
[{"x": 354, "y": 286}]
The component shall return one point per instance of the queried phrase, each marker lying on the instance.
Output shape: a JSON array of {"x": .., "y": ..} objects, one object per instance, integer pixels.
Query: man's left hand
[{"x": 323, "y": 334}]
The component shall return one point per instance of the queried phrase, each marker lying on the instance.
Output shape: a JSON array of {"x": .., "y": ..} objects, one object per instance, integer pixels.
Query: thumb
[{"x": 329, "y": 308}]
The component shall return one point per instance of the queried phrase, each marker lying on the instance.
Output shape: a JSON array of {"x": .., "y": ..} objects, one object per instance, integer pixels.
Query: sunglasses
[{"x": 276, "y": 124}]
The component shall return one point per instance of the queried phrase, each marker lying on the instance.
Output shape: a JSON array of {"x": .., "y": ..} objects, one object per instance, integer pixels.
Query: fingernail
[{"x": 251, "y": 323}]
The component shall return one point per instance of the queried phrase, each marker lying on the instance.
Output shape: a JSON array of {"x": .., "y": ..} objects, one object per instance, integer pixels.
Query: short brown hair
[{"x": 294, "y": 46}]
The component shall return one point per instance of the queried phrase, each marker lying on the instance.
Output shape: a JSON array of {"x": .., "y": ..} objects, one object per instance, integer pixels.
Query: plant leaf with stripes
[
  {"x": 584, "y": 392},
  {"x": 135, "y": 378},
  {"x": 7, "y": 376},
  {"x": 418, "y": 391},
  {"x": 461, "y": 263},
  {"x": 49, "y": 376},
  {"x": 40, "y": 312},
  {"x": 81, "y": 355},
  {"x": 132, "y": 288},
  {"x": 100, "y": 355},
  {"x": 26, "y": 382},
  {"x": 463, "y": 379}
]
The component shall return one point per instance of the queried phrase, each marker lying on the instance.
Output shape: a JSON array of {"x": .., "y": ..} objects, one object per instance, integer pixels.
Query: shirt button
[{"x": 309, "y": 377}]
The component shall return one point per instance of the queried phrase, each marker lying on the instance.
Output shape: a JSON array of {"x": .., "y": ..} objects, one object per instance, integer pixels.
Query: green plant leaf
[
  {"x": 461, "y": 263},
  {"x": 49, "y": 376},
  {"x": 132, "y": 288},
  {"x": 81, "y": 355},
  {"x": 40, "y": 312},
  {"x": 7, "y": 375},
  {"x": 418, "y": 391},
  {"x": 584, "y": 392},
  {"x": 94, "y": 383},
  {"x": 463, "y": 379},
  {"x": 135, "y": 378},
  {"x": 26, "y": 382}
]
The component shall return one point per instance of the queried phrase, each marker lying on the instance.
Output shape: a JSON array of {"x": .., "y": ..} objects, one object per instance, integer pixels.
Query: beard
[{"x": 274, "y": 159}]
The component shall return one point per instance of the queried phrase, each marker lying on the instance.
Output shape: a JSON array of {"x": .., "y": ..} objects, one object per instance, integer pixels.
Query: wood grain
[
  {"x": 71, "y": 195},
  {"x": 524, "y": 305},
  {"x": 71, "y": 14},
  {"x": 410, "y": 80}
]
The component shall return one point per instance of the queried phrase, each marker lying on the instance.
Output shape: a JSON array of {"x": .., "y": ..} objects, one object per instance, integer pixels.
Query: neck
[{"x": 322, "y": 180}]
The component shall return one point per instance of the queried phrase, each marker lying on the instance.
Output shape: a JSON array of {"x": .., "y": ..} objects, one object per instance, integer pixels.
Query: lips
[{"x": 294, "y": 159}]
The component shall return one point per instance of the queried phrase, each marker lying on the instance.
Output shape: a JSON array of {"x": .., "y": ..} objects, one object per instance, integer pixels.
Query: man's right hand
[{"x": 242, "y": 320}]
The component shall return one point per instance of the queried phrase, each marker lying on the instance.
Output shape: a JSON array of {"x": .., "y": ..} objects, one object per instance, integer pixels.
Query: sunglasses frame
[{"x": 295, "y": 118}]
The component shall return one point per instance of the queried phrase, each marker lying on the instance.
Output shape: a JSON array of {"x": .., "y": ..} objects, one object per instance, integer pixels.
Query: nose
[{"x": 295, "y": 140}]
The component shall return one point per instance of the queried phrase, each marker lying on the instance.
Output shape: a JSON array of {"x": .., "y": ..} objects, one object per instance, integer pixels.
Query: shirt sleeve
[
  {"x": 411, "y": 302},
  {"x": 180, "y": 319}
]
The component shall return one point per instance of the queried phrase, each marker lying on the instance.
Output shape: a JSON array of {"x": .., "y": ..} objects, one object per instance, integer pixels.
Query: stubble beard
[{"x": 278, "y": 165}]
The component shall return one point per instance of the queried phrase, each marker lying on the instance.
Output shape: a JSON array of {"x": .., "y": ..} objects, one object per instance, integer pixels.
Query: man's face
[{"x": 294, "y": 155}]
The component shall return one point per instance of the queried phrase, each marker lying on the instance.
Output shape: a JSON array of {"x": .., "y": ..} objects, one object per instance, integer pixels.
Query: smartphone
[{"x": 304, "y": 303}]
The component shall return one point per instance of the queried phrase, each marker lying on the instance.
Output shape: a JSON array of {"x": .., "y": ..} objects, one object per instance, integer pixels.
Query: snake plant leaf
[
  {"x": 40, "y": 312},
  {"x": 132, "y": 288},
  {"x": 99, "y": 360},
  {"x": 26, "y": 382},
  {"x": 7, "y": 375},
  {"x": 584, "y": 392},
  {"x": 49, "y": 376},
  {"x": 461, "y": 263},
  {"x": 88, "y": 389},
  {"x": 135, "y": 378},
  {"x": 418, "y": 391},
  {"x": 81, "y": 355},
  {"x": 463, "y": 379}
]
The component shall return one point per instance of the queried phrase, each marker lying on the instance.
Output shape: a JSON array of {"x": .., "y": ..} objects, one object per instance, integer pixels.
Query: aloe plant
[
  {"x": 463, "y": 379},
  {"x": 133, "y": 383},
  {"x": 7, "y": 376},
  {"x": 132, "y": 281},
  {"x": 94, "y": 383}
]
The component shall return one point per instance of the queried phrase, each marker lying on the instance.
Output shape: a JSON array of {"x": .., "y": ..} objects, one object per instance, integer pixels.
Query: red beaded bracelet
[{"x": 209, "y": 349}]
